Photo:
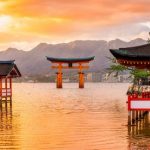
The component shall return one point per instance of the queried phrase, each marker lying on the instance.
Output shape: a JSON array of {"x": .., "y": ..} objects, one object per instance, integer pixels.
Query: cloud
[
  {"x": 84, "y": 10},
  {"x": 64, "y": 20}
]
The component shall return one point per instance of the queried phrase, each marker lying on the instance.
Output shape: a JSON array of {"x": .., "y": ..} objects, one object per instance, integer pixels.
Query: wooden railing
[{"x": 6, "y": 92}]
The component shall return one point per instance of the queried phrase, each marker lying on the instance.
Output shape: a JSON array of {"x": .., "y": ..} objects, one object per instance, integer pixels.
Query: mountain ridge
[{"x": 34, "y": 62}]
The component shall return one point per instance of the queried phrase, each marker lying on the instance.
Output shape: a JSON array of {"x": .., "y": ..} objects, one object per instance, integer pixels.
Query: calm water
[{"x": 94, "y": 118}]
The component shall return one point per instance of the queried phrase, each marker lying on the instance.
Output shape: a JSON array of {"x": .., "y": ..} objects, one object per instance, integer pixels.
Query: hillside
[{"x": 33, "y": 62}]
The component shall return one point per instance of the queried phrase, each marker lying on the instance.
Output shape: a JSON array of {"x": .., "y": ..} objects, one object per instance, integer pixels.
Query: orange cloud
[{"x": 68, "y": 19}]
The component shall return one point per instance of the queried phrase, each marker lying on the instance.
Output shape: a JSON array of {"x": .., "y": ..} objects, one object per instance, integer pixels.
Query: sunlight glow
[
  {"x": 2, "y": 4},
  {"x": 147, "y": 24},
  {"x": 56, "y": 19},
  {"x": 59, "y": 21},
  {"x": 5, "y": 21}
]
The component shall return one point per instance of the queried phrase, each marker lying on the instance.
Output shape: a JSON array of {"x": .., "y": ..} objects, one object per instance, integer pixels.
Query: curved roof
[
  {"x": 141, "y": 52},
  {"x": 144, "y": 48},
  {"x": 119, "y": 54},
  {"x": 9, "y": 68},
  {"x": 70, "y": 60},
  {"x": 7, "y": 61}
]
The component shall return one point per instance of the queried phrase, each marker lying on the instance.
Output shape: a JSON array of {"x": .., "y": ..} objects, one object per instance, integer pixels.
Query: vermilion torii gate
[{"x": 70, "y": 63}]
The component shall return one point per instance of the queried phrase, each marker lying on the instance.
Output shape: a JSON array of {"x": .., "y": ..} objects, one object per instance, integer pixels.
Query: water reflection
[
  {"x": 8, "y": 139},
  {"x": 95, "y": 118},
  {"x": 139, "y": 134},
  {"x": 5, "y": 117}
]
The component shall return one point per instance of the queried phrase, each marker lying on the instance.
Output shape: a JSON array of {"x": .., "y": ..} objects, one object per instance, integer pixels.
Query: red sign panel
[{"x": 138, "y": 103}]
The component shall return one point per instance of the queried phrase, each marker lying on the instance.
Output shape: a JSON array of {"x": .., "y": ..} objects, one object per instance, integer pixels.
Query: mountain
[{"x": 34, "y": 62}]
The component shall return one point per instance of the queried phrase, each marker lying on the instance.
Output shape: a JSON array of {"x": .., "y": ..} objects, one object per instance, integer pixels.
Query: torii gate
[{"x": 72, "y": 63}]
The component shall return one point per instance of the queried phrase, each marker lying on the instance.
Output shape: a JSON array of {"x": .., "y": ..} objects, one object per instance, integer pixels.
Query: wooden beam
[
  {"x": 73, "y": 67},
  {"x": 70, "y": 62}
]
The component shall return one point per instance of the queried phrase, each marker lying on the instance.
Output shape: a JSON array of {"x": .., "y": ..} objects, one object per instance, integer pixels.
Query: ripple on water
[{"x": 94, "y": 118}]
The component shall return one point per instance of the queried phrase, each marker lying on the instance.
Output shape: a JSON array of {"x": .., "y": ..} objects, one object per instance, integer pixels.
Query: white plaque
[{"x": 140, "y": 104}]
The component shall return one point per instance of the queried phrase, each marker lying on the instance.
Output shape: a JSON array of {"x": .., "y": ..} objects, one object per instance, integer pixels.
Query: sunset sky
[{"x": 25, "y": 23}]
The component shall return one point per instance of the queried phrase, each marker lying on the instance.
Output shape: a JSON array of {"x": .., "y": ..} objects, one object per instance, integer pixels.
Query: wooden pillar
[
  {"x": 10, "y": 82},
  {"x": 59, "y": 80},
  {"x": 129, "y": 118},
  {"x": 6, "y": 92},
  {"x": 81, "y": 80},
  {"x": 133, "y": 117},
  {"x": 136, "y": 115},
  {"x": 81, "y": 76},
  {"x": 140, "y": 114},
  {"x": 59, "y": 76},
  {"x": 0, "y": 92}
]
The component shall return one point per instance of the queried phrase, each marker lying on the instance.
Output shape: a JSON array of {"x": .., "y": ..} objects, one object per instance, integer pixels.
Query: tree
[{"x": 137, "y": 74}]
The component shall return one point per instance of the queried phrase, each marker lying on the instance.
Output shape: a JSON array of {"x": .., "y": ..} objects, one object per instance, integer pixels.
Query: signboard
[{"x": 139, "y": 104}]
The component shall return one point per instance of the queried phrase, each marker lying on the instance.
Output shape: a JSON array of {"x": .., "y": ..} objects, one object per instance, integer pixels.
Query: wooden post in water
[
  {"x": 10, "y": 82},
  {"x": 81, "y": 80},
  {"x": 6, "y": 92},
  {"x": 133, "y": 117},
  {"x": 136, "y": 115},
  {"x": 59, "y": 80},
  {"x": 0, "y": 92},
  {"x": 147, "y": 113},
  {"x": 144, "y": 114},
  {"x": 59, "y": 76},
  {"x": 129, "y": 118},
  {"x": 81, "y": 76},
  {"x": 140, "y": 115},
  {"x": 129, "y": 113}
]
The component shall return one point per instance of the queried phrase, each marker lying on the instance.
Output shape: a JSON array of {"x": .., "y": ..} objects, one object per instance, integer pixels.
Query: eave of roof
[
  {"x": 118, "y": 54},
  {"x": 7, "y": 62},
  {"x": 7, "y": 68},
  {"x": 70, "y": 60},
  {"x": 136, "y": 47}
]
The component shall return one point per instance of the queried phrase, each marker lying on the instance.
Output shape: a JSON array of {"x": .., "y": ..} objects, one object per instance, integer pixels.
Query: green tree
[{"x": 117, "y": 68}]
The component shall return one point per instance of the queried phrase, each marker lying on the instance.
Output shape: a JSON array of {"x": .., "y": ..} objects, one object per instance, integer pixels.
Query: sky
[{"x": 25, "y": 23}]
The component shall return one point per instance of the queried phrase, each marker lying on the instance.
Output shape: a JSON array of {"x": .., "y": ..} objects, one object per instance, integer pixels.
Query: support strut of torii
[{"x": 70, "y": 63}]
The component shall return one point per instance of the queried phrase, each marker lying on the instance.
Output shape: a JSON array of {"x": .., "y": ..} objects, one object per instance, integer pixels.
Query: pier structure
[
  {"x": 139, "y": 99},
  {"x": 136, "y": 132},
  {"x": 138, "y": 108},
  {"x": 8, "y": 70},
  {"x": 70, "y": 63}
]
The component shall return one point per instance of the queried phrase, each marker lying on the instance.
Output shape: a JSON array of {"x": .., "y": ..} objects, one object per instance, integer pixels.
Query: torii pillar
[
  {"x": 59, "y": 76},
  {"x": 81, "y": 76}
]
